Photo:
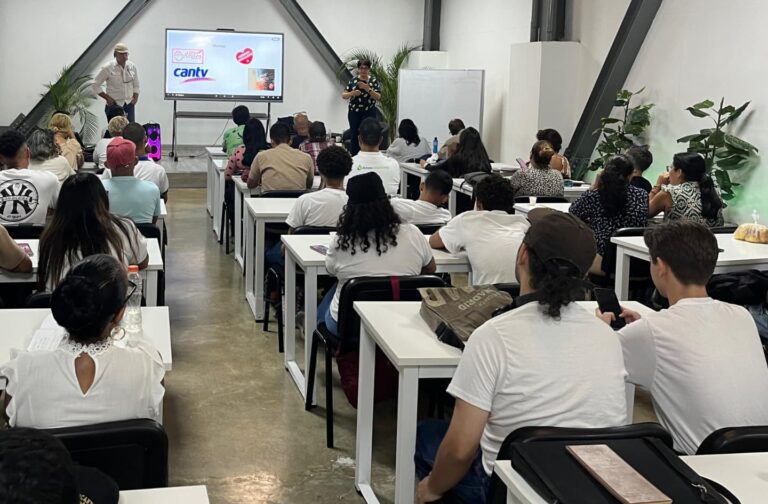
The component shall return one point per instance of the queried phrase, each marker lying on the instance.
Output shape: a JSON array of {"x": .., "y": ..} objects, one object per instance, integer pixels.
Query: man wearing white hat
[{"x": 122, "y": 80}]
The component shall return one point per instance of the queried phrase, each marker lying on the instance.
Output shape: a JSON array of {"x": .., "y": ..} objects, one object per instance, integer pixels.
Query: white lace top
[{"x": 46, "y": 394}]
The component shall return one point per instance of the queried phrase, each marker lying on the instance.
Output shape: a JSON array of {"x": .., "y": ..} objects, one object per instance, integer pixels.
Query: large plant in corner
[
  {"x": 72, "y": 94},
  {"x": 620, "y": 133},
  {"x": 386, "y": 74},
  {"x": 723, "y": 152}
]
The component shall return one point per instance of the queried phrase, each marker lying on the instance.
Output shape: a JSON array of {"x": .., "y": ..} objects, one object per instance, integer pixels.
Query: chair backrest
[
  {"x": 541, "y": 199},
  {"x": 726, "y": 229},
  {"x": 735, "y": 440},
  {"x": 149, "y": 230},
  {"x": 39, "y": 300},
  {"x": 512, "y": 289},
  {"x": 609, "y": 258},
  {"x": 374, "y": 289},
  {"x": 132, "y": 452},
  {"x": 284, "y": 193},
  {"x": 25, "y": 232},
  {"x": 429, "y": 229},
  {"x": 314, "y": 230}
]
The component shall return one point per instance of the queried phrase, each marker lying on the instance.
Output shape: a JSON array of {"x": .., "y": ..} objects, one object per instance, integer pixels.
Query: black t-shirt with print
[{"x": 364, "y": 101}]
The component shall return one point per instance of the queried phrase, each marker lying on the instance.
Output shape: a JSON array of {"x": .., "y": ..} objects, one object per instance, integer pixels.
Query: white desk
[
  {"x": 463, "y": 187},
  {"x": 214, "y": 153},
  {"x": 744, "y": 474},
  {"x": 216, "y": 183},
  {"x": 21, "y": 324},
  {"x": 161, "y": 219},
  {"x": 149, "y": 275},
  {"x": 410, "y": 169},
  {"x": 298, "y": 252},
  {"x": 400, "y": 332},
  {"x": 181, "y": 495},
  {"x": 524, "y": 208},
  {"x": 736, "y": 256},
  {"x": 241, "y": 192},
  {"x": 260, "y": 211}
]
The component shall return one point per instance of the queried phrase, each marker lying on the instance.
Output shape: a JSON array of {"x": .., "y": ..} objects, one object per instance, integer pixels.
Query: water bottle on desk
[
  {"x": 132, "y": 317},
  {"x": 434, "y": 146}
]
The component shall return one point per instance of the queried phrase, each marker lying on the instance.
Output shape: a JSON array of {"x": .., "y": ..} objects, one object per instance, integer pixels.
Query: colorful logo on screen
[
  {"x": 245, "y": 56},
  {"x": 196, "y": 74}
]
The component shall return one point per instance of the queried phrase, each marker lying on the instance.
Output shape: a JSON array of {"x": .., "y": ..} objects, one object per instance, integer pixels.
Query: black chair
[
  {"x": 725, "y": 229},
  {"x": 498, "y": 493},
  {"x": 541, "y": 199},
  {"x": 132, "y": 452},
  {"x": 25, "y": 232},
  {"x": 151, "y": 231},
  {"x": 39, "y": 300},
  {"x": 429, "y": 229},
  {"x": 274, "y": 281},
  {"x": 356, "y": 289},
  {"x": 735, "y": 440},
  {"x": 639, "y": 271}
]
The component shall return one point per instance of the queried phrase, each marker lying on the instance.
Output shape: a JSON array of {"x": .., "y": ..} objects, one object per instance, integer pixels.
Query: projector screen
[{"x": 223, "y": 65}]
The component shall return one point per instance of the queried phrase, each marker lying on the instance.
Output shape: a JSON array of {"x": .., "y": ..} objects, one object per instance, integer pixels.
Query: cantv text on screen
[{"x": 192, "y": 74}]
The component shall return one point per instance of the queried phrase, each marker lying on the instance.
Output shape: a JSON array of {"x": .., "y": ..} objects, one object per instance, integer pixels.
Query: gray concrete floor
[{"x": 235, "y": 420}]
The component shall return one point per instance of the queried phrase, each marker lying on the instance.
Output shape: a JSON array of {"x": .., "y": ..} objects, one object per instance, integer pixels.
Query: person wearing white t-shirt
[
  {"x": 26, "y": 196},
  {"x": 429, "y": 208},
  {"x": 371, "y": 241},
  {"x": 489, "y": 235},
  {"x": 371, "y": 160},
  {"x": 543, "y": 363},
  {"x": 701, "y": 359},
  {"x": 145, "y": 169},
  {"x": 318, "y": 208},
  {"x": 115, "y": 129}
]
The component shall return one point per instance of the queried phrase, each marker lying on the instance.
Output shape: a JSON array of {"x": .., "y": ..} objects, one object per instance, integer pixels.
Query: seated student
[
  {"x": 538, "y": 179},
  {"x": 281, "y": 167},
  {"x": 254, "y": 141},
  {"x": 408, "y": 145},
  {"x": 130, "y": 197},
  {"x": 301, "y": 126},
  {"x": 558, "y": 162},
  {"x": 113, "y": 111},
  {"x": 114, "y": 129},
  {"x": 146, "y": 169},
  {"x": 686, "y": 192},
  {"x": 82, "y": 226},
  {"x": 433, "y": 195},
  {"x": 371, "y": 241},
  {"x": 371, "y": 160},
  {"x": 317, "y": 141},
  {"x": 30, "y": 193},
  {"x": 642, "y": 159},
  {"x": 233, "y": 137},
  {"x": 470, "y": 156},
  {"x": 455, "y": 126},
  {"x": 61, "y": 125},
  {"x": 483, "y": 232},
  {"x": 44, "y": 155},
  {"x": 613, "y": 205},
  {"x": 701, "y": 359},
  {"x": 12, "y": 257},
  {"x": 88, "y": 379},
  {"x": 545, "y": 362}
]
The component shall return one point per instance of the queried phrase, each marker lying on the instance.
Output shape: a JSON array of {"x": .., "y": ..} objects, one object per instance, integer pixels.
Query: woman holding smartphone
[{"x": 363, "y": 91}]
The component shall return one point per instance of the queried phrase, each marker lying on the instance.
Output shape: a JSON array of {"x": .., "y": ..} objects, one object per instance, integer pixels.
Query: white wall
[{"x": 309, "y": 85}]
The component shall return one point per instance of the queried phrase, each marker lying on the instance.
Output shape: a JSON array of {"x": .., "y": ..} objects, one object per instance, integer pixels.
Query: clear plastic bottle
[{"x": 132, "y": 318}]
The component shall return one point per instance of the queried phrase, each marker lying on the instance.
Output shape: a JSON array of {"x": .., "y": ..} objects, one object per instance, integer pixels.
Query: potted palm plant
[
  {"x": 386, "y": 74},
  {"x": 72, "y": 94}
]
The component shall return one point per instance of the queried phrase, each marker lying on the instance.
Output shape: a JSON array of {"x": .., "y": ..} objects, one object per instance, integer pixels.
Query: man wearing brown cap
[
  {"x": 122, "y": 79},
  {"x": 545, "y": 362},
  {"x": 136, "y": 199}
]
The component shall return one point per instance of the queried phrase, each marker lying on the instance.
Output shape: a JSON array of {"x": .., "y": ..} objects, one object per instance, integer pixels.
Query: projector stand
[{"x": 209, "y": 115}]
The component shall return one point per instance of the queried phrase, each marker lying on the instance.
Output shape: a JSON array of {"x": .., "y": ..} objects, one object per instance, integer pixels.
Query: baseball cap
[
  {"x": 365, "y": 188},
  {"x": 562, "y": 236},
  {"x": 120, "y": 152},
  {"x": 121, "y": 48}
]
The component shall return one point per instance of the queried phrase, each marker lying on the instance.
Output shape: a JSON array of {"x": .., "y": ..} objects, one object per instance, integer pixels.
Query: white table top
[
  {"x": 181, "y": 495},
  {"x": 21, "y": 324},
  {"x": 215, "y": 151},
  {"x": 524, "y": 208},
  {"x": 407, "y": 340},
  {"x": 299, "y": 245},
  {"x": 219, "y": 163},
  {"x": 243, "y": 186},
  {"x": 734, "y": 253},
  {"x": 163, "y": 209},
  {"x": 744, "y": 474},
  {"x": 269, "y": 207}
]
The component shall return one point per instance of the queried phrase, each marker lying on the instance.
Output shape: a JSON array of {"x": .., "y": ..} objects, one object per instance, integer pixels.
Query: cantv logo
[{"x": 192, "y": 74}]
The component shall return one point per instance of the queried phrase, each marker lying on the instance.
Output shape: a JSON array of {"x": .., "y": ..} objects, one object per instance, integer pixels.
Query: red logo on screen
[
  {"x": 188, "y": 56},
  {"x": 245, "y": 56}
]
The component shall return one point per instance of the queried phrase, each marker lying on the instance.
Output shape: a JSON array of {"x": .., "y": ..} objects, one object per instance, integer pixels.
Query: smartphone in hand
[
  {"x": 609, "y": 303},
  {"x": 320, "y": 249},
  {"x": 26, "y": 248}
]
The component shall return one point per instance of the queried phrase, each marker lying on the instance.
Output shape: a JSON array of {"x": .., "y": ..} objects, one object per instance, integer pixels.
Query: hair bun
[{"x": 76, "y": 303}]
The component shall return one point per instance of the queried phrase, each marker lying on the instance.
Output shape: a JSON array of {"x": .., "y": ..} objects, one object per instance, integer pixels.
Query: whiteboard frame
[{"x": 482, "y": 90}]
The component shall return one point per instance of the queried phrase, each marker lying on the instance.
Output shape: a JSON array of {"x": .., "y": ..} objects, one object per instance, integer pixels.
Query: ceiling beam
[{"x": 432, "y": 13}]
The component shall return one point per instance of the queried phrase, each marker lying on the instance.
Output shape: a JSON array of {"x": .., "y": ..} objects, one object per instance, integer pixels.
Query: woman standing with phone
[{"x": 362, "y": 92}]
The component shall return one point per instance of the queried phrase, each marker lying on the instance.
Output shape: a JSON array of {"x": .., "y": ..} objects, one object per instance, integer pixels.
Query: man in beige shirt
[{"x": 281, "y": 167}]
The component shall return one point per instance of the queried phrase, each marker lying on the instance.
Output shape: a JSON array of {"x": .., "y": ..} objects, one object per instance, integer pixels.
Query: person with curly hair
[
  {"x": 371, "y": 241},
  {"x": 538, "y": 179},
  {"x": 558, "y": 161}
]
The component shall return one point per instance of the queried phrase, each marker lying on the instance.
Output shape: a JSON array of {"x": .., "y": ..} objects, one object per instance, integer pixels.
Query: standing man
[
  {"x": 122, "y": 80},
  {"x": 362, "y": 92}
]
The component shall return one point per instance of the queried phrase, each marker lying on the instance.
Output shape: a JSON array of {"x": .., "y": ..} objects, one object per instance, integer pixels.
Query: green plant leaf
[
  {"x": 620, "y": 103},
  {"x": 738, "y": 143},
  {"x": 609, "y": 120},
  {"x": 726, "y": 110},
  {"x": 696, "y": 138},
  {"x": 717, "y": 139},
  {"x": 736, "y": 113},
  {"x": 730, "y": 161},
  {"x": 703, "y": 105},
  {"x": 696, "y": 112}
]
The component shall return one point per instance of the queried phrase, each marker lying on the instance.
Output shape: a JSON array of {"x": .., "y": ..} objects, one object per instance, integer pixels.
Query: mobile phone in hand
[
  {"x": 27, "y": 249},
  {"x": 609, "y": 303},
  {"x": 320, "y": 249}
]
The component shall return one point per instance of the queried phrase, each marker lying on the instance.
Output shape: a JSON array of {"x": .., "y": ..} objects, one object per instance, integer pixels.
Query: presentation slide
[{"x": 223, "y": 65}]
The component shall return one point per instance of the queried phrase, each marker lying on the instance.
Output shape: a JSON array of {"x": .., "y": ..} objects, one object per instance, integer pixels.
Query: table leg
[
  {"x": 150, "y": 288},
  {"x": 220, "y": 198},
  {"x": 249, "y": 256},
  {"x": 407, "y": 403},
  {"x": 239, "y": 227},
  {"x": 161, "y": 226},
  {"x": 403, "y": 183},
  {"x": 216, "y": 203},
  {"x": 258, "y": 264},
  {"x": 289, "y": 331},
  {"x": 310, "y": 323},
  {"x": 452, "y": 202},
  {"x": 622, "y": 275},
  {"x": 364, "y": 437},
  {"x": 209, "y": 187}
]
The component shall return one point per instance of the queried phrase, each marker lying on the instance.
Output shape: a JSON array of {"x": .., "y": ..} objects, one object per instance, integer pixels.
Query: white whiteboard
[{"x": 431, "y": 98}]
